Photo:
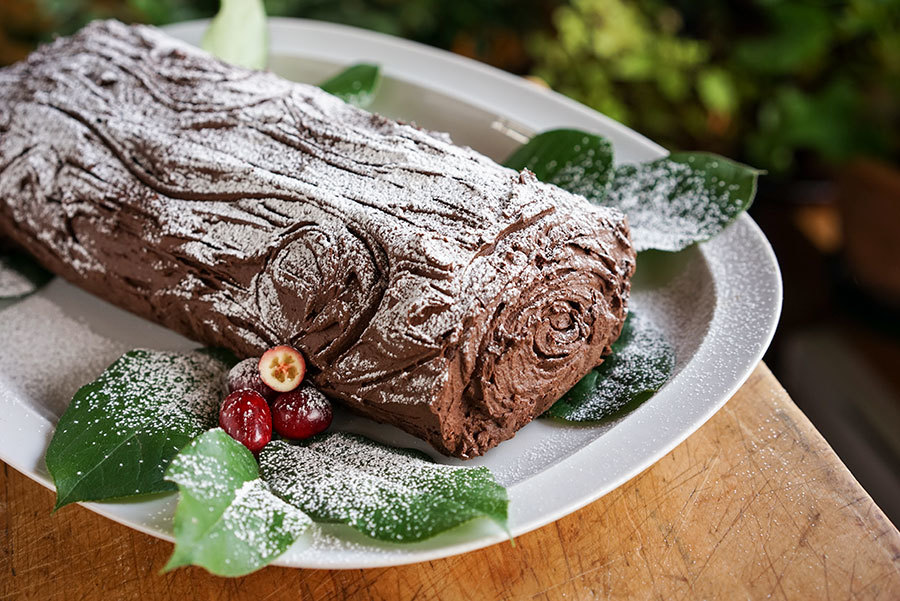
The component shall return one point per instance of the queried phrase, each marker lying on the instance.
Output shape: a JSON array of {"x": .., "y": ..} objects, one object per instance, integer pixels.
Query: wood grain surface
[{"x": 754, "y": 505}]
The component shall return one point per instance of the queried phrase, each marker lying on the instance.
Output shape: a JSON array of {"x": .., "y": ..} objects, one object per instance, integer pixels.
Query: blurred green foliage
[
  {"x": 787, "y": 85},
  {"x": 490, "y": 30},
  {"x": 631, "y": 65},
  {"x": 784, "y": 85}
]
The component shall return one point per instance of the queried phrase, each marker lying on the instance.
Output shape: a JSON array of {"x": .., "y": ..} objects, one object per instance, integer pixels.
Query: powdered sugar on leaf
[
  {"x": 356, "y": 84},
  {"x": 641, "y": 363},
  {"x": 390, "y": 494},
  {"x": 574, "y": 160},
  {"x": 681, "y": 199},
  {"x": 120, "y": 431},
  {"x": 227, "y": 520}
]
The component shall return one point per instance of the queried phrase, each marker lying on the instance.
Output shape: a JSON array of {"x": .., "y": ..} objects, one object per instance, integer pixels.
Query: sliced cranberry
[
  {"x": 246, "y": 375},
  {"x": 301, "y": 413},
  {"x": 282, "y": 368},
  {"x": 245, "y": 416}
]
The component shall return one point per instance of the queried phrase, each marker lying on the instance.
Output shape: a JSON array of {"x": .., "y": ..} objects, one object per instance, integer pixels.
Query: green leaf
[
  {"x": 120, "y": 431},
  {"x": 356, "y": 85},
  {"x": 642, "y": 361},
  {"x": 397, "y": 495},
  {"x": 681, "y": 199},
  {"x": 227, "y": 519},
  {"x": 576, "y": 161},
  {"x": 238, "y": 34},
  {"x": 670, "y": 203},
  {"x": 20, "y": 275}
]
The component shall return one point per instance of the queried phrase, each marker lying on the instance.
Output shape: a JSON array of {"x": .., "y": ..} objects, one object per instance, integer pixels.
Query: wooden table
[{"x": 754, "y": 505}]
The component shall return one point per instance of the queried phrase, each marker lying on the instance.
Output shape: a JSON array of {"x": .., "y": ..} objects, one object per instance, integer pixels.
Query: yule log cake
[{"x": 428, "y": 287}]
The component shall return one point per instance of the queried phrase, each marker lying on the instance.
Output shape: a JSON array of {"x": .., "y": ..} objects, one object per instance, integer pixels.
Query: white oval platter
[{"x": 719, "y": 304}]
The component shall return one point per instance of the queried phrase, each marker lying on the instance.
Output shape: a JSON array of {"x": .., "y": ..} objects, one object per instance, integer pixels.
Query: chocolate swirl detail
[{"x": 552, "y": 323}]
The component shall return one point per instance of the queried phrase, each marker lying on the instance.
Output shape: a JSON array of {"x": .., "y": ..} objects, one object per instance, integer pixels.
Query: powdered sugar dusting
[
  {"x": 13, "y": 283},
  {"x": 384, "y": 492},
  {"x": 671, "y": 205},
  {"x": 253, "y": 511},
  {"x": 676, "y": 293},
  {"x": 184, "y": 390},
  {"x": 48, "y": 355},
  {"x": 642, "y": 361},
  {"x": 227, "y": 518}
]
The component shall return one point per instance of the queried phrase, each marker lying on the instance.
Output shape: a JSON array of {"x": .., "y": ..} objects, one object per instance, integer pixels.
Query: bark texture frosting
[{"x": 428, "y": 286}]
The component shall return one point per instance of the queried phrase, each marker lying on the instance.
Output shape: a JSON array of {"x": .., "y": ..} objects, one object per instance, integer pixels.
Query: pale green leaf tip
[
  {"x": 175, "y": 562},
  {"x": 238, "y": 34},
  {"x": 62, "y": 498},
  {"x": 504, "y": 524},
  {"x": 60, "y": 503}
]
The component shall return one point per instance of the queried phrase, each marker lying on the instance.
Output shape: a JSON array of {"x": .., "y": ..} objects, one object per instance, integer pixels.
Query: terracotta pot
[{"x": 869, "y": 199}]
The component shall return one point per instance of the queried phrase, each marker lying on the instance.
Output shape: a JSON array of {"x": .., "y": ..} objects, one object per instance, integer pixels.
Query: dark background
[{"x": 809, "y": 91}]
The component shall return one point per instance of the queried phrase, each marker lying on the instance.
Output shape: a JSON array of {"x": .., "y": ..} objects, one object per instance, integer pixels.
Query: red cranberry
[
  {"x": 246, "y": 375},
  {"x": 245, "y": 416},
  {"x": 301, "y": 413}
]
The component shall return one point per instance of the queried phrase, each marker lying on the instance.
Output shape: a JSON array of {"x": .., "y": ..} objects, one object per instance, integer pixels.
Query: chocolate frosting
[{"x": 428, "y": 287}]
